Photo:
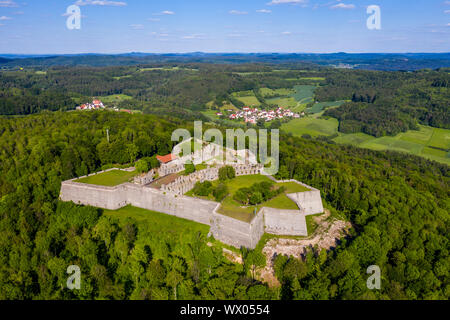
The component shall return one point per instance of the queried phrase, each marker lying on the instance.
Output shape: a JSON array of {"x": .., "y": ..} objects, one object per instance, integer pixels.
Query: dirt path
[{"x": 328, "y": 231}]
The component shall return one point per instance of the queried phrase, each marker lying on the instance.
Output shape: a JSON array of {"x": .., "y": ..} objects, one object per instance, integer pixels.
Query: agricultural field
[
  {"x": 321, "y": 106},
  {"x": 285, "y": 103},
  {"x": 114, "y": 98},
  {"x": 311, "y": 125},
  {"x": 428, "y": 142},
  {"x": 110, "y": 178},
  {"x": 267, "y": 92},
  {"x": 304, "y": 94},
  {"x": 248, "y": 98}
]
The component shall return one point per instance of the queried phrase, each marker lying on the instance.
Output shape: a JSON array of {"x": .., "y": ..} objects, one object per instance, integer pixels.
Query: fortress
[{"x": 166, "y": 195}]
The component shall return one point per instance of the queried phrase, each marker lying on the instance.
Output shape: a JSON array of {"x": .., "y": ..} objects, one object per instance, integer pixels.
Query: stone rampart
[
  {"x": 284, "y": 222},
  {"x": 236, "y": 232},
  {"x": 226, "y": 229},
  {"x": 309, "y": 202}
]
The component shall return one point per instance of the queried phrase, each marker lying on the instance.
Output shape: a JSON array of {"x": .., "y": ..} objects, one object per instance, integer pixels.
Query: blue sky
[{"x": 319, "y": 26}]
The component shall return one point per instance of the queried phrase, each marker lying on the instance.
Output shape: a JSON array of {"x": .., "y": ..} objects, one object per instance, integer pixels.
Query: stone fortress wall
[
  {"x": 226, "y": 229},
  {"x": 186, "y": 183},
  {"x": 170, "y": 199}
]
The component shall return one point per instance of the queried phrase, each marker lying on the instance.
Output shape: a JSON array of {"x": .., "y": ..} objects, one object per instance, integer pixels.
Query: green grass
[
  {"x": 428, "y": 142},
  {"x": 312, "y": 126},
  {"x": 156, "y": 221},
  {"x": 354, "y": 139},
  {"x": 249, "y": 99},
  {"x": 304, "y": 94},
  {"x": 234, "y": 209},
  {"x": 319, "y": 107},
  {"x": 266, "y": 92},
  {"x": 110, "y": 178},
  {"x": 285, "y": 103},
  {"x": 114, "y": 98},
  {"x": 440, "y": 139},
  {"x": 314, "y": 78}
]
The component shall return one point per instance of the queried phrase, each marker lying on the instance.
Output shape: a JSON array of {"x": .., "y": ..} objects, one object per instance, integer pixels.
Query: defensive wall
[{"x": 226, "y": 229}]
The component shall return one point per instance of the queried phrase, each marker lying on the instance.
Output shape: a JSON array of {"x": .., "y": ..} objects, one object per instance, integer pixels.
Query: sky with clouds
[{"x": 316, "y": 26}]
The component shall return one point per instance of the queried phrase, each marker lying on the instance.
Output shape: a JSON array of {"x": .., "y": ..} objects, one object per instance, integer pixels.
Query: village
[
  {"x": 252, "y": 115},
  {"x": 95, "y": 105},
  {"x": 98, "y": 105}
]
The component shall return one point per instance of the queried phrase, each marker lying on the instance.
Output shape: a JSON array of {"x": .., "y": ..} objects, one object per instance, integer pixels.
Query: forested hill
[
  {"x": 368, "y": 61},
  {"x": 398, "y": 204}
]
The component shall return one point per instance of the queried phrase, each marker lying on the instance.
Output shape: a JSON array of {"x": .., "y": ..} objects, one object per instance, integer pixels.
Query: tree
[
  {"x": 220, "y": 192},
  {"x": 132, "y": 152},
  {"x": 227, "y": 173},
  {"x": 256, "y": 198},
  {"x": 141, "y": 166},
  {"x": 189, "y": 168}
]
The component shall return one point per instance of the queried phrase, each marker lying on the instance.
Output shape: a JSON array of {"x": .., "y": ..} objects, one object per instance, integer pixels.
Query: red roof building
[{"x": 165, "y": 159}]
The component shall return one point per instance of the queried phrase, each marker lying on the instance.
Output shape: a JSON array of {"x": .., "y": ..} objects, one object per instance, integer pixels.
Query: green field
[
  {"x": 156, "y": 221},
  {"x": 313, "y": 126},
  {"x": 285, "y": 103},
  {"x": 248, "y": 98},
  {"x": 266, "y": 92},
  {"x": 428, "y": 142},
  {"x": 110, "y": 178},
  {"x": 304, "y": 94},
  {"x": 114, "y": 98},
  {"x": 319, "y": 107},
  {"x": 314, "y": 78}
]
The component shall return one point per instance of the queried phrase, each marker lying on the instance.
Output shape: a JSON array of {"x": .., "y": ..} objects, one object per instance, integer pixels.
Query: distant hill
[
  {"x": 4, "y": 61},
  {"x": 367, "y": 61}
]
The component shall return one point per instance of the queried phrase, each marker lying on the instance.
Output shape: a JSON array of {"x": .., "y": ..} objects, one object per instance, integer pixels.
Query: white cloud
[
  {"x": 343, "y": 6},
  {"x": 8, "y": 4},
  {"x": 137, "y": 26},
  {"x": 286, "y": 33},
  {"x": 3, "y": 18},
  {"x": 264, "y": 11},
  {"x": 194, "y": 36},
  {"x": 167, "y": 12},
  {"x": 237, "y": 12},
  {"x": 275, "y": 2},
  {"x": 100, "y": 3}
]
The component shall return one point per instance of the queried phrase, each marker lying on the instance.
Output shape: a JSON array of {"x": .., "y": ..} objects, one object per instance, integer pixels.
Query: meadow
[
  {"x": 311, "y": 126},
  {"x": 114, "y": 98},
  {"x": 156, "y": 221},
  {"x": 321, "y": 106},
  {"x": 428, "y": 142},
  {"x": 232, "y": 208},
  {"x": 248, "y": 98},
  {"x": 110, "y": 178}
]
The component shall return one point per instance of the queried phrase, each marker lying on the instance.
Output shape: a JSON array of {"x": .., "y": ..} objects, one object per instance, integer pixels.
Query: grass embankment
[
  {"x": 158, "y": 222},
  {"x": 110, "y": 179},
  {"x": 234, "y": 209}
]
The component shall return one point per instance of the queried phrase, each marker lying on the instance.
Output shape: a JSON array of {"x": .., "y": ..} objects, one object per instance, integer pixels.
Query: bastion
[
  {"x": 168, "y": 200},
  {"x": 163, "y": 190}
]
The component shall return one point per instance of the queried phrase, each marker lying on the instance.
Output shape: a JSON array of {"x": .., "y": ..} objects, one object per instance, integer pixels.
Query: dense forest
[
  {"x": 387, "y": 103},
  {"x": 399, "y": 206},
  {"x": 365, "y": 61},
  {"x": 379, "y": 103}
]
